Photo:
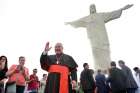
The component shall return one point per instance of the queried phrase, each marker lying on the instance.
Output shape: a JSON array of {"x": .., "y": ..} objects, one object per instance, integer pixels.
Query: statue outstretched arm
[
  {"x": 115, "y": 14},
  {"x": 77, "y": 23},
  {"x": 127, "y": 7}
]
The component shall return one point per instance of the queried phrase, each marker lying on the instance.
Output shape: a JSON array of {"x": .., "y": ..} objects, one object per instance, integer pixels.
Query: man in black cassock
[{"x": 61, "y": 68}]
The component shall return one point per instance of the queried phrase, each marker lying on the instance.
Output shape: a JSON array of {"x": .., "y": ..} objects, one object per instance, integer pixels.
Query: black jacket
[
  {"x": 117, "y": 80},
  {"x": 87, "y": 80}
]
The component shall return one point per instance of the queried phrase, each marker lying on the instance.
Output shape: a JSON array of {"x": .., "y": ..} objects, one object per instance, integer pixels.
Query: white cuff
[{"x": 45, "y": 52}]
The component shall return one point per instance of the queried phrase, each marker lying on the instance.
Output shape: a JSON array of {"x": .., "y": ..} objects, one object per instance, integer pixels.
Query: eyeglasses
[
  {"x": 22, "y": 60},
  {"x": 3, "y": 59},
  {"x": 34, "y": 70}
]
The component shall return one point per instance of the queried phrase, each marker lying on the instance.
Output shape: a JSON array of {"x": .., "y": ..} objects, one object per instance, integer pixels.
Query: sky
[{"x": 26, "y": 25}]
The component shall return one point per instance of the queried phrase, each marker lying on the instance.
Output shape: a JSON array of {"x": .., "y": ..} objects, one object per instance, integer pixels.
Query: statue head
[{"x": 92, "y": 9}]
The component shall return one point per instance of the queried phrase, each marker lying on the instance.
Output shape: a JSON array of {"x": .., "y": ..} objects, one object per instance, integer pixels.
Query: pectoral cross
[
  {"x": 57, "y": 62},
  {"x": 58, "y": 59}
]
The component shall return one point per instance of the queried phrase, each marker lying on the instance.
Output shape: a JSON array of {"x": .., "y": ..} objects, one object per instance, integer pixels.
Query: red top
[
  {"x": 34, "y": 82},
  {"x": 18, "y": 77}
]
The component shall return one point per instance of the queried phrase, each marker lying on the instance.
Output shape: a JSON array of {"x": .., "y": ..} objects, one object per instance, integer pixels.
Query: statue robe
[
  {"x": 96, "y": 31},
  {"x": 53, "y": 80}
]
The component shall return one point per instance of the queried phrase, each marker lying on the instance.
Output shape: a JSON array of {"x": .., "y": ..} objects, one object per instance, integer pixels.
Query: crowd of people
[
  {"x": 62, "y": 76},
  {"x": 16, "y": 79},
  {"x": 114, "y": 80}
]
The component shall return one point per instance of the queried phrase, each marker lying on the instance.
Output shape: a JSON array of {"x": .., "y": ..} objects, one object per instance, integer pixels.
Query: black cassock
[{"x": 53, "y": 80}]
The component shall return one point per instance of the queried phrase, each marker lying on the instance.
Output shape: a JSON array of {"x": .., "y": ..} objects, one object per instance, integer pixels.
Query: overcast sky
[{"x": 26, "y": 25}]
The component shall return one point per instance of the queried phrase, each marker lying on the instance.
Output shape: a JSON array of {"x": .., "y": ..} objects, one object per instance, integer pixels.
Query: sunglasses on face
[{"x": 35, "y": 71}]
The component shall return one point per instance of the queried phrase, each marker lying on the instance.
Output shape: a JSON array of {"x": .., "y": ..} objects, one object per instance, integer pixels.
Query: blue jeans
[{"x": 34, "y": 91}]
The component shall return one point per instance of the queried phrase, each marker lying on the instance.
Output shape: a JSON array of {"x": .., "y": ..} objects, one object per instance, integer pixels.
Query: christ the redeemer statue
[{"x": 96, "y": 31}]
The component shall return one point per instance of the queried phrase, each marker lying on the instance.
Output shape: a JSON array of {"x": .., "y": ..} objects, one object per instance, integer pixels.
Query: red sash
[{"x": 64, "y": 71}]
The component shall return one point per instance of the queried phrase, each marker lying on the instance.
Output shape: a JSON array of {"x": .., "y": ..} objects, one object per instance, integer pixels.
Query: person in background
[
  {"x": 131, "y": 83},
  {"x": 117, "y": 79},
  {"x": 137, "y": 78},
  {"x": 101, "y": 84},
  {"x": 18, "y": 74},
  {"x": 62, "y": 70},
  {"x": 87, "y": 80},
  {"x": 3, "y": 70},
  {"x": 43, "y": 83},
  {"x": 33, "y": 84}
]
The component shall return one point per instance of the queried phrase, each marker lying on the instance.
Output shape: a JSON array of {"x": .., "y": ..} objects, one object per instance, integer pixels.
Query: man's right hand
[{"x": 47, "y": 47}]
